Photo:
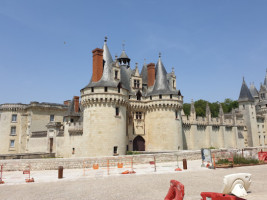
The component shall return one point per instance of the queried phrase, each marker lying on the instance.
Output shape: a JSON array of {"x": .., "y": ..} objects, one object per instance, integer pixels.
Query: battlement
[
  {"x": 13, "y": 106},
  {"x": 75, "y": 128}
]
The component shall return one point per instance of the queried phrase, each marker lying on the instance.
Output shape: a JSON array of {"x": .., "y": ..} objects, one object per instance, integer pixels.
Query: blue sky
[{"x": 211, "y": 44}]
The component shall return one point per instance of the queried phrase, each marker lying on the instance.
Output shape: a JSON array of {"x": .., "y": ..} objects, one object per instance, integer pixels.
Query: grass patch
[
  {"x": 132, "y": 153},
  {"x": 241, "y": 160}
]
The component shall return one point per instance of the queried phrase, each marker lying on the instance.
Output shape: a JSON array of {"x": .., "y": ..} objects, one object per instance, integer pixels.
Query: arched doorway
[{"x": 139, "y": 143}]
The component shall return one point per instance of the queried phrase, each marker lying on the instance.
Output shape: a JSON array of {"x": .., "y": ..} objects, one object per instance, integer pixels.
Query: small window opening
[
  {"x": 71, "y": 120},
  {"x": 127, "y": 148},
  {"x": 52, "y": 118},
  {"x": 13, "y": 130},
  {"x": 115, "y": 150},
  {"x": 117, "y": 111},
  {"x": 160, "y": 96},
  {"x": 138, "y": 115},
  {"x": 12, "y": 143},
  {"x": 150, "y": 97},
  {"x": 92, "y": 89},
  {"x": 106, "y": 89},
  {"x": 14, "y": 117},
  {"x": 116, "y": 74},
  {"x": 136, "y": 83},
  {"x": 129, "y": 96},
  {"x": 138, "y": 95},
  {"x": 170, "y": 96},
  {"x": 176, "y": 114},
  {"x": 73, "y": 150},
  {"x": 119, "y": 88}
]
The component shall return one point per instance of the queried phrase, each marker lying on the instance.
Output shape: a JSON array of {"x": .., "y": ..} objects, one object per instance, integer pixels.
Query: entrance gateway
[{"x": 139, "y": 143}]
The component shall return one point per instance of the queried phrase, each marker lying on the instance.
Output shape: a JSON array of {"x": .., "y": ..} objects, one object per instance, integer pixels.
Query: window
[
  {"x": 170, "y": 96},
  {"x": 136, "y": 83},
  {"x": 106, "y": 89},
  {"x": 160, "y": 96},
  {"x": 176, "y": 114},
  {"x": 173, "y": 83},
  {"x": 52, "y": 118},
  {"x": 117, "y": 111},
  {"x": 115, "y": 150},
  {"x": 138, "y": 96},
  {"x": 150, "y": 97},
  {"x": 14, "y": 118},
  {"x": 13, "y": 130},
  {"x": 129, "y": 96},
  {"x": 12, "y": 143},
  {"x": 92, "y": 89},
  {"x": 138, "y": 115},
  {"x": 73, "y": 150},
  {"x": 116, "y": 74}
]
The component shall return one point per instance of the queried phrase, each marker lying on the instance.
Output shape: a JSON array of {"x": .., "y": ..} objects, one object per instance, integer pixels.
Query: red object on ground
[
  {"x": 128, "y": 172},
  {"x": 1, "y": 177},
  {"x": 176, "y": 191},
  {"x": 178, "y": 169},
  {"x": 262, "y": 156},
  {"x": 26, "y": 171},
  {"x": 218, "y": 196}
]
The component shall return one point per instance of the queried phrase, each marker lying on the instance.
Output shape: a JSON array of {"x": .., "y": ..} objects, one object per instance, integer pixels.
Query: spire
[
  {"x": 245, "y": 94},
  {"x": 221, "y": 113},
  {"x": 254, "y": 92},
  {"x": 192, "y": 108},
  {"x": 265, "y": 79},
  {"x": 161, "y": 84},
  {"x": 207, "y": 109},
  {"x": 136, "y": 71},
  {"x": 144, "y": 73},
  {"x": 106, "y": 54}
]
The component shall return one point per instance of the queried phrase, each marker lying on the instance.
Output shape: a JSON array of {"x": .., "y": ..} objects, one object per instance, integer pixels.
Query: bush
[
  {"x": 241, "y": 160},
  {"x": 223, "y": 161}
]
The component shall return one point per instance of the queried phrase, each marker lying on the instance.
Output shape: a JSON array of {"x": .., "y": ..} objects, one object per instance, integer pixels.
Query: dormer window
[
  {"x": 160, "y": 96},
  {"x": 136, "y": 83},
  {"x": 92, "y": 89},
  {"x": 170, "y": 96},
  {"x": 106, "y": 89}
]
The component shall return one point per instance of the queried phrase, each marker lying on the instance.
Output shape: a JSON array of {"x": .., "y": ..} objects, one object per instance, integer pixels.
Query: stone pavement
[{"x": 145, "y": 184}]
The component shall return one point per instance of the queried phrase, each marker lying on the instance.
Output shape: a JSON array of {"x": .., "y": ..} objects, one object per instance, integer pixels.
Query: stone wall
[{"x": 72, "y": 163}]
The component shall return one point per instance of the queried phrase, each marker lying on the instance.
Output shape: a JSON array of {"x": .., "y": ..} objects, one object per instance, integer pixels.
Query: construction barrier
[
  {"x": 1, "y": 176},
  {"x": 218, "y": 196},
  {"x": 115, "y": 165},
  {"x": 28, "y": 171},
  {"x": 262, "y": 156},
  {"x": 176, "y": 191}
]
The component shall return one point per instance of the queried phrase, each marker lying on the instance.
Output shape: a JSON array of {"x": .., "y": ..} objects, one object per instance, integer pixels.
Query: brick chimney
[
  {"x": 76, "y": 103},
  {"x": 67, "y": 102},
  {"x": 97, "y": 64},
  {"x": 151, "y": 74}
]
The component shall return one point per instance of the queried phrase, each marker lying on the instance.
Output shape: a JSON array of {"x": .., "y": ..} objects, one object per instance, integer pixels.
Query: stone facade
[{"x": 123, "y": 110}]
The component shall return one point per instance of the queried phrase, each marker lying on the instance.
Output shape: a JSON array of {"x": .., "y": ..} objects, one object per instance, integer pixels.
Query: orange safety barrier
[
  {"x": 262, "y": 156},
  {"x": 218, "y": 196},
  {"x": 1, "y": 177},
  {"x": 120, "y": 165},
  {"x": 95, "y": 166},
  {"x": 28, "y": 180},
  {"x": 176, "y": 191}
]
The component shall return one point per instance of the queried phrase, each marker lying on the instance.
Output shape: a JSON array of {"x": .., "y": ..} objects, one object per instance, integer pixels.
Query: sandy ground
[{"x": 145, "y": 184}]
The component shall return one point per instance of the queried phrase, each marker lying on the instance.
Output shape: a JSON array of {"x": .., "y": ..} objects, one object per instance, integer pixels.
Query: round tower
[
  {"x": 104, "y": 101},
  {"x": 163, "y": 116}
]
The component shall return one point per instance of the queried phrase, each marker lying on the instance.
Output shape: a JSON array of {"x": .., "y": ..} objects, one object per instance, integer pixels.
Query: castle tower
[
  {"x": 254, "y": 92},
  {"x": 247, "y": 107},
  {"x": 105, "y": 106},
  {"x": 163, "y": 117}
]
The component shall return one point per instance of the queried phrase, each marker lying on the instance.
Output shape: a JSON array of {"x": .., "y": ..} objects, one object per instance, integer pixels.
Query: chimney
[
  {"x": 76, "y": 103},
  {"x": 150, "y": 74},
  {"x": 97, "y": 64},
  {"x": 67, "y": 102}
]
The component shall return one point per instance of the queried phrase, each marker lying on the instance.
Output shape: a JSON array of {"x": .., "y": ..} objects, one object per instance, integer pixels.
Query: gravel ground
[{"x": 145, "y": 184}]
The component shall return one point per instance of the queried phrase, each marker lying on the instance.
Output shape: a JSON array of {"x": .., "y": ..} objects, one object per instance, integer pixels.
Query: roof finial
[
  {"x": 172, "y": 69},
  {"x": 159, "y": 55},
  {"x": 116, "y": 56},
  {"x": 243, "y": 79},
  {"x": 123, "y": 45},
  {"x": 106, "y": 38},
  {"x": 144, "y": 61},
  {"x": 136, "y": 65}
]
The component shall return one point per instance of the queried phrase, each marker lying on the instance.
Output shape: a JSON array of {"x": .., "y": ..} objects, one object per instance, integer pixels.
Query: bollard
[
  {"x": 60, "y": 172},
  {"x": 184, "y": 164}
]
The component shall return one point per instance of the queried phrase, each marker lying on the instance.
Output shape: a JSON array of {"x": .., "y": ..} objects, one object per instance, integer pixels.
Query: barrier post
[
  {"x": 132, "y": 163},
  {"x": 108, "y": 166},
  {"x": 1, "y": 177},
  {"x": 155, "y": 167},
  {"x": 184, "y": 164},
  {"x": 28, "y": 180}
]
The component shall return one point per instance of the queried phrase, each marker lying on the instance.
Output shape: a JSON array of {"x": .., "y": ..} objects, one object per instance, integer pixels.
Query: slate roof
[
  {"x": 245, "y": 94},
  {"x": 144, "y": 73},
  {"x": 254, "y": 92}
]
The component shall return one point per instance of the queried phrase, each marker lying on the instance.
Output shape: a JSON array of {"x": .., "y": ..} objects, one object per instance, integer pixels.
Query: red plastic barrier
[
  {"x": 262, "y": 156},
  {"x": 218, "y": 196},
  {"x": 176, "y": 191}
]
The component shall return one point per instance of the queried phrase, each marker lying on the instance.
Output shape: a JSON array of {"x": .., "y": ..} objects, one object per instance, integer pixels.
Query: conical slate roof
[
  {"x": 144, "y": 73},
  {"x": 123, "y": 55},
  {"x": 254, "y": 92},
  {"x": 107, "y": 76},
  {"x": 265, "y": 79},
  {"x": 161, "y": 85},
  {"x": 245, "y": 94}
]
